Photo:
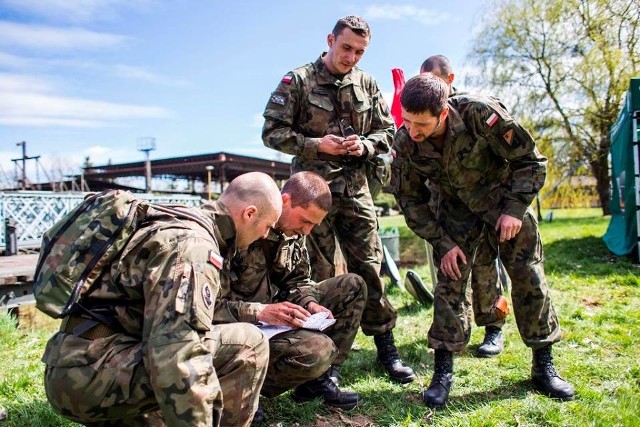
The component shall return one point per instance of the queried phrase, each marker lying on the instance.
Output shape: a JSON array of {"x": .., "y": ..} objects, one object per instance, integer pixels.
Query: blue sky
[{"x": 91, "y": 77}]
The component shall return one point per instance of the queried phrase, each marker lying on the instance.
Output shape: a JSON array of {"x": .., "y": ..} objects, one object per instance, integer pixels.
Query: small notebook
[{"x": 317, "y": 322}]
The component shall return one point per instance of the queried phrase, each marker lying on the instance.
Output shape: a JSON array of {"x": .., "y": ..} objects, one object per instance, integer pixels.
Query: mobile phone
[{"x": 348, "y": 131}]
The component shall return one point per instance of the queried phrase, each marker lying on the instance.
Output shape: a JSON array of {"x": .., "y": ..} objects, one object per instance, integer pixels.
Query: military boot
[
  {"x": 322, "y": 387},
  {"x": 493, "y": 343},
  {"x": 335, "y": 375},
  {"x": 258, "y": 417},
  {"x": 545, "y": 377},
  {"x": 438, "y": 392},
  {"x": 390, "y": 359}
]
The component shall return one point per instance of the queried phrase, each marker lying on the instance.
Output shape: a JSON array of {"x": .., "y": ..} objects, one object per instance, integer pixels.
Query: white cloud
[
  {"x": 75, "y": 10},
  {"x": 46, "y": 38},
  {"x": 138, "y": 73},
  {"x": 405, "y": 12},
  {"x": 31, "y": 101}
]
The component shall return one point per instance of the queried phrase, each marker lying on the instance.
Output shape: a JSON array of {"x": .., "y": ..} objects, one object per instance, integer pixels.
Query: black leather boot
[
  {"x": 438, "y": 392},
  {"x": 545, "y": 377},
  {"x": 493, "y": 343},
  {"x": 258, "y": 417},
  {"x": 390, "y": 359},
  {"x": 334, "y": 375},
  {"x": 322, "y": 387}
]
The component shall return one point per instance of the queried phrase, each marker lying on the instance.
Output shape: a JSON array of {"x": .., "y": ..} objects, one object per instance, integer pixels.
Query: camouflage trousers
[
  {"x": 522, "y": 257},
  {"x": 298, "y": 356},
  {"x": 485, "y": 284},
  {"x": 115, "y": 390},
  {"x": 353, "y": 223}
]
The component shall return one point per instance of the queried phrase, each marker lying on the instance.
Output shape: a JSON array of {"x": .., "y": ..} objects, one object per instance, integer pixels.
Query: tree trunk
[{"x": 600, "y": 170}]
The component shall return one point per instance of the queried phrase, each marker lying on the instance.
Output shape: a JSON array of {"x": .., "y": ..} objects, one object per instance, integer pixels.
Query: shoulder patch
[
  {"x": 278, "y": 98},
  {"x": 492, "y": 120},
  {"x": 207, "y": 295},
  {"x": 508, "y": 136},
  {"x": 216, "y": 259},
  {"x": 287, "y": 78},
  {"x": 394, "y": 153}
]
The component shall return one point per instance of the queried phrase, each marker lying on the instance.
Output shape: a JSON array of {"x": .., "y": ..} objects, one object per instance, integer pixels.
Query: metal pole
[
  {"x": 209, "y": 169},
  {"x": 11, "y": 243},
  {"x": 636, "y": 166}
]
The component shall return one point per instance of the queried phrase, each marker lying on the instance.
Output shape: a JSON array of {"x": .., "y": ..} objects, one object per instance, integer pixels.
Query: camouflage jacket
[
  {"x": 304, "y": 108},
  {"x": 161, "y": 290},
  {"x": 270, "y": 270},
  {"x": 489, "y": 164}
]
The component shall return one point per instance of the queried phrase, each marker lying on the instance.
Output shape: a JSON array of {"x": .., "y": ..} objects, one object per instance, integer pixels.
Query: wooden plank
[{"x": 17, "y": 268}]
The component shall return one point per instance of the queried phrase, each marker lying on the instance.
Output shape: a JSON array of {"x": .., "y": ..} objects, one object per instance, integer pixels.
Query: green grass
[{"x": 596, "y": 295}]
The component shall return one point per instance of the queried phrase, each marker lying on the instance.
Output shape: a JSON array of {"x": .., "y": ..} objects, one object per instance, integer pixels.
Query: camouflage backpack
[{"x": 76, "y": 250}]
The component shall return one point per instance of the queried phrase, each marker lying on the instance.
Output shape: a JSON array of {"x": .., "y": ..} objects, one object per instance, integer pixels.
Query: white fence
[{"x": 34, "y": 212}]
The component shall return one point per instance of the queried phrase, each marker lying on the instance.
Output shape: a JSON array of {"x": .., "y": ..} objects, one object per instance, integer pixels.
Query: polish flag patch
[
  {"x": 493, "y": 118},
  {"x": 216, "y": 259},
  {"x": 393, "y": 153},
  {"x": 287, "y": 79}
]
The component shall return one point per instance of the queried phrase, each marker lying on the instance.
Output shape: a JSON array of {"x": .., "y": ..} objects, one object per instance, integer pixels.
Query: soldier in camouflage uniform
[
  {"x": 331, "y": 116},
  {"x": 485, "y": 281},
  {"x": 270, "y": 282},
  {"x": 145, "y": 352},
  {"x": 488, "y": 170}
]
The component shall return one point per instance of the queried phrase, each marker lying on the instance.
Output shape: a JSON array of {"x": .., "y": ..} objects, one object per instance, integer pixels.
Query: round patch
[{"x": 206, "y": 295}]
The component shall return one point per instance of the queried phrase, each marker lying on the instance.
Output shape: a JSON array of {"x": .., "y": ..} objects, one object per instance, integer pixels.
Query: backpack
[{"x": 79, "y": 247}]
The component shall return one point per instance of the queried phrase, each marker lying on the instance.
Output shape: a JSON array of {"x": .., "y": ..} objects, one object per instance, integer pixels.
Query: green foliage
[{"x": 595, "y": 295}]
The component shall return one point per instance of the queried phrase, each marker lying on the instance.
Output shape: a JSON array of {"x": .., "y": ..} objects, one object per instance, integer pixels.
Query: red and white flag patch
[
  {"x": 493, "y": 118},
  {"x": 216, "y": 259},
  {"x": 287, "y": 79}
]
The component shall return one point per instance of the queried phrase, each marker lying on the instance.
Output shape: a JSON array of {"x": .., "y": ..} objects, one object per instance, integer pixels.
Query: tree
[{"x": 566, "y": 64}]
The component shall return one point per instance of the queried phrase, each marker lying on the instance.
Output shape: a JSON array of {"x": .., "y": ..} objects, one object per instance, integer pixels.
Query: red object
[{"x": 398, "y": 84}]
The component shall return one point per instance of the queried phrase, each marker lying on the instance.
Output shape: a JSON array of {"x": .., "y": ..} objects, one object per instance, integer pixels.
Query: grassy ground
[{"x": 595, "y": 294}]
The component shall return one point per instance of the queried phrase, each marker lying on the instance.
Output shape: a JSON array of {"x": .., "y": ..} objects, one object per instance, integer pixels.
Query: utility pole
[
  {"x": 23, "y": 159},
  {"x": 146, "y": 144}
]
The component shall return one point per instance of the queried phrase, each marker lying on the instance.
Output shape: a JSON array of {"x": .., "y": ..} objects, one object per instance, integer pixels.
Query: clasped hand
[{"x": 339, "y": 146}]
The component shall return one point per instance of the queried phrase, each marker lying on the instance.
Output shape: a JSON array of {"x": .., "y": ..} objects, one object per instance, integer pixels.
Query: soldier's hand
[
  {"x": 283, "y": 313},
  {"x": 354, "y": 146},
  {"x": 332, "y": 144},
  {"x": 449, "y": 263},
  {"x": 314, "y": 307},
  {"x": 508, "y": 227}
]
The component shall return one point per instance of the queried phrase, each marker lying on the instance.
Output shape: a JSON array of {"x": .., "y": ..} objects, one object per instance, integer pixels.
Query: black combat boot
[
  {"x": 334, "y": 375},
  {"x": 438, "y": 392},
  {"x": 545, "y": 377},
  {"x": 493, "y": 343},
  {"x": 258, "y": 417},
  {"x": 322, "y": 387},
  {"x": 390, "y": 359}
]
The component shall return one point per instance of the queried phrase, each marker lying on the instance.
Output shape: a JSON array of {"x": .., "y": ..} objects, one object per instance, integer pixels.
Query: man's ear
[
  {"x": 450, "y": 78},
  {"x": 444, "y": 113},
  {"x": 330, "y": 40},
  {"x": 249, "y": 213},
  {"x": 286, "y": 199}
]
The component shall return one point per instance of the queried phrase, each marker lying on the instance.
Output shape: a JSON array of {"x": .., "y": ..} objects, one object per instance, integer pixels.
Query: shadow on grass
[{"x": 584, "y": 256}]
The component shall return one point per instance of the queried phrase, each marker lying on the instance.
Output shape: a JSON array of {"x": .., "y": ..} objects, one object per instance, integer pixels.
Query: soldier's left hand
[
  {"x": 354, "y": 146},
  {"x": 449, "y": 263},
  {"x": 314, "y": 307},
  {"x": 508, "y": 227}
]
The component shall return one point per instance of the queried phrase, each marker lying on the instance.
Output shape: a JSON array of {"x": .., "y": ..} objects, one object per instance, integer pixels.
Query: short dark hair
[
  {"x": 356, "y": 24},
  {"x": 308, "y": 187},
  {"x": 425, "y": 92},
  {"x": 439, "y": 62}
]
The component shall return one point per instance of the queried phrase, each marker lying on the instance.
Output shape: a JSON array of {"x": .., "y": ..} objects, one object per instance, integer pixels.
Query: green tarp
[{"x": 622, "y": 233}]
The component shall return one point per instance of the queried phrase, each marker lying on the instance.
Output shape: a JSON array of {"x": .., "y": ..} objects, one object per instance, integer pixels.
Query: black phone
[{"x": 348, "y": 131}]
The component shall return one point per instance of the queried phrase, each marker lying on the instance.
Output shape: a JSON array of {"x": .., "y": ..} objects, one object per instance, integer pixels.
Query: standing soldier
[
  {"x": 271, "y": 282},
  {"x": 488, "y": 170},
  {"x": 143, "y": 351},
  {"x": 331, "y": 116},
  {"x": 485, "y": 282}
]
